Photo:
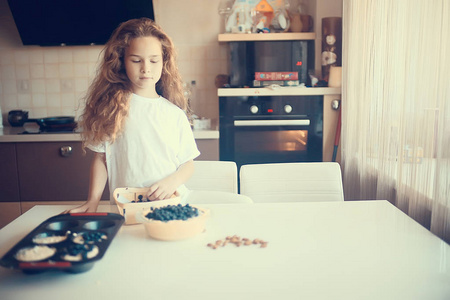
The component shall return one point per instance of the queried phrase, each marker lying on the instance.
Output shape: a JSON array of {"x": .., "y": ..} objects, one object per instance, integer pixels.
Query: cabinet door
[
  {"x": 9, "y": 179},
  {"x": 209, "y": 149},
  {"x": 47, "y": 173},
  {"x": 8, "y": 212}
]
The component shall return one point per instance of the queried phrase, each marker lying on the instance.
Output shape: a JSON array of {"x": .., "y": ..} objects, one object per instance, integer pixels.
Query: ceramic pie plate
[
  {"x": 68, "y": 242},
  {"x": 176, "y": 229}
]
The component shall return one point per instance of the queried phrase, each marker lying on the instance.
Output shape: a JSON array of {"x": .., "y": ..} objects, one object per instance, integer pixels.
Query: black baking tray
[{"x": 67, "y": 242}]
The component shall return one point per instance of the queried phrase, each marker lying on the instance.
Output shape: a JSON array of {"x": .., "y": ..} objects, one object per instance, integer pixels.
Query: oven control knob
[
  {"x": 288, "y": 109},
  {"x": 254, "y": 109}
]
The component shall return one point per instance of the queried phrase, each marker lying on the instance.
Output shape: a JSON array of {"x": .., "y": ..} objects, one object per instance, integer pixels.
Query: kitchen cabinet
[
  {"x": 9, "y": 178},
  {"x": 54, "y": 171},
  {"x": 8, "y": 212},
  {"x": 9, "y": 184},
  {"x": 209, "y": 149},
  {"x": 42, "y": 173}
]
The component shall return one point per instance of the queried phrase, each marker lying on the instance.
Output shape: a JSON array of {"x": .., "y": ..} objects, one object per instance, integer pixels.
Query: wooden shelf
[
  {"x": 243, "y": 37},
  {"x": 283, "y": 91}
]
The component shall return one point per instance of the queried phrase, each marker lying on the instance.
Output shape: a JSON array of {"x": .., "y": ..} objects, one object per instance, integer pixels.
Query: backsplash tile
[
  {"x": 9, "y": 86},
  {"x": 8, "y": 72},
  {"x": 52, "y": 85},
  {"x": 51, "y": 70},
  {"x": 80, "y": 55},
  {"x": 65, "y": 55},
  {"x": 50, "y": 56},
  {"x": 39, "y": 100},
  {"x": 23, "y": 86},
  {"x": 51, "y": 81},
  {"x": 66, "y": 70},
  {"x": 54, "y": 100},
  {"x": 80, "y": 70},
  {"x": 6, "y": 57},
  {"x": 24, "y": 100},
  {"x": 38, "y": 86},
  {"x": 21, "y": 57},
  {"x": 37, "y": 70},
  {"x": 22, "y": 72},
  {"x": 36, "y": 56}
]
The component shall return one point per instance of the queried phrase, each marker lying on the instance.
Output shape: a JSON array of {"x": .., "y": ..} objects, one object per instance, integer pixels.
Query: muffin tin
[{"x": 68, "y": 242}]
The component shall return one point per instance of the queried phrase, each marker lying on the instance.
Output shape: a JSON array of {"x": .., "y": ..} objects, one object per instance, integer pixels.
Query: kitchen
[
  {"x": 24, "y": 85},
  {"x": 51, "y": 81},
  {"x": 386, "y": 255}
]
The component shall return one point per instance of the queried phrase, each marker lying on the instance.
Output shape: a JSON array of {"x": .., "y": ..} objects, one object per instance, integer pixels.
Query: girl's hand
[
  {"x": 163, "y": 189},
  {"x": 167, "y": 187},
  {"x": 86, "y": 207}
]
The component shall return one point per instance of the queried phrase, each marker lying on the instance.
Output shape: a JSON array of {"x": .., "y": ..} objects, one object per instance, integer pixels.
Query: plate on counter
[{"x": 68, "y": 242}]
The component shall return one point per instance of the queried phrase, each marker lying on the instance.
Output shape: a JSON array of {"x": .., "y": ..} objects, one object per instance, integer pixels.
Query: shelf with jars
[
  {"x": 270, "y": 36},
  {"x": 281, "y": 36}
]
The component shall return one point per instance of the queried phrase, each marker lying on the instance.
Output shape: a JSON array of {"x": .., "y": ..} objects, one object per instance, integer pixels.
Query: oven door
[{"x": 248, "y": 141}]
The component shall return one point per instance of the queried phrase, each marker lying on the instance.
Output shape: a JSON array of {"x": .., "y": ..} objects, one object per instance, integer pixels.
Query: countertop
[
  {"x": 13, "y": 134},
  {"x": 316, "y": 250}
]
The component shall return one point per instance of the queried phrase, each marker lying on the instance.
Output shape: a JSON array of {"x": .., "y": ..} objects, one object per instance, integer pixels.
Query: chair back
[
  {"x": 292, "y": 182},
  {"x": 214, "y": 176}
]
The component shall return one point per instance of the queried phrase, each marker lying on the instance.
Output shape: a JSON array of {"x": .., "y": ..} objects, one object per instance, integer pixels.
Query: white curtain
[{"x": 395, "y": 141}]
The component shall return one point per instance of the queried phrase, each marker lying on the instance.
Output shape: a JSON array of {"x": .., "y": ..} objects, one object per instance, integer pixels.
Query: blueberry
[{"x": 173, "y": 212}]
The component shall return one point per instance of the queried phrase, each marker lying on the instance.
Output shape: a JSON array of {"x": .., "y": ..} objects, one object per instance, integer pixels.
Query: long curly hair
[{"x": 107, "y": 100}]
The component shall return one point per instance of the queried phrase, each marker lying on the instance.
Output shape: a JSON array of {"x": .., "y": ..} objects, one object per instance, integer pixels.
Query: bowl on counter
[
  {"x": 130, "y": 201},
  {"x": 174, "y": 229}
]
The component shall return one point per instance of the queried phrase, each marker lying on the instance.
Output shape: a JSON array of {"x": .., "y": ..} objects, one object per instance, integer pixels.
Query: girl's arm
[
  {"x": 97, "y": 182},
  {"x": 166, "y": 187}
]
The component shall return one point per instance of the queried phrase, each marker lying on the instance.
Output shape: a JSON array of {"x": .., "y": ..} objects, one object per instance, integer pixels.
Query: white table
[{"x": 336, "y": 250}]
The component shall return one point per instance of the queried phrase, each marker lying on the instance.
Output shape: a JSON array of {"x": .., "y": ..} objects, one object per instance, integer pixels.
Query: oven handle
[{"x": 250, "y": 123}]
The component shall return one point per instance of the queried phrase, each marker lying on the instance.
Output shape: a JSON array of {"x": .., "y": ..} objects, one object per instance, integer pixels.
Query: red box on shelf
[{"x": 276, "y": 75}]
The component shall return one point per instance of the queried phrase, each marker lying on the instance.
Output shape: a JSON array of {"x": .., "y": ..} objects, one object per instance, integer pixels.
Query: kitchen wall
[{"x": 51, "y": 81}]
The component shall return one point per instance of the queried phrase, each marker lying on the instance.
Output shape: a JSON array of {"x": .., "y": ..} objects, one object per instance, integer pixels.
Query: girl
[{"x": 135, "y": 117}]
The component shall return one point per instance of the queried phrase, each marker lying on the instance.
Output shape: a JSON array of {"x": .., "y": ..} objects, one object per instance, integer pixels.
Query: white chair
[
  {"x": 214, "y": 182},
  {"x": 214, "y": 176},
  {"x": 292, "y": 182}
]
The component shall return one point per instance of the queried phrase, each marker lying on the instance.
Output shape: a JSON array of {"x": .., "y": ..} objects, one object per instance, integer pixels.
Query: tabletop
[{"x": 326, "y": 250}]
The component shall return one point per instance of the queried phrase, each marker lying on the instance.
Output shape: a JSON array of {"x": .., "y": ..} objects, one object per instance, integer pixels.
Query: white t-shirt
[{"x": 157, "y": 139}]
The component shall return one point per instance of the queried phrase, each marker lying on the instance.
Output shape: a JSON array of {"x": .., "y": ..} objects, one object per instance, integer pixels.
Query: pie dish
[{"x": 175, "y": 229}]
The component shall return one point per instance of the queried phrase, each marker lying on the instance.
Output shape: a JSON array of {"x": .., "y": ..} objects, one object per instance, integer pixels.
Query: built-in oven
[{"x": 270, "y": 129}]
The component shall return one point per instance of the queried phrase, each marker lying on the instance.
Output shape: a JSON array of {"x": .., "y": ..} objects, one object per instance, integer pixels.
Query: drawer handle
[{"x": 66, "y": 151}]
